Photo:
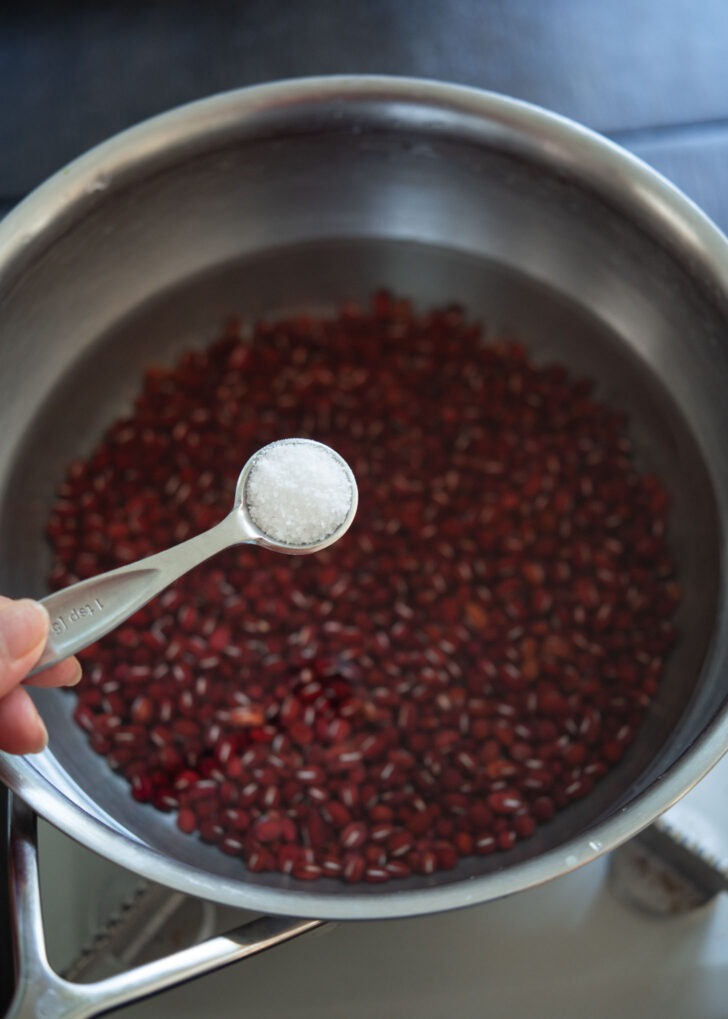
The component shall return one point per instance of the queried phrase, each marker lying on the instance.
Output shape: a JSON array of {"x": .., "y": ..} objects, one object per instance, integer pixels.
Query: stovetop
[{"x": 569, "y": 949}]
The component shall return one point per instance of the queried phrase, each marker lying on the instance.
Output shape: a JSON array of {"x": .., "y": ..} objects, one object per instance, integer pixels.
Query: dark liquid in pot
[
  {"x": 475, "y": 655},
  {"x": 104, "y": 379}
]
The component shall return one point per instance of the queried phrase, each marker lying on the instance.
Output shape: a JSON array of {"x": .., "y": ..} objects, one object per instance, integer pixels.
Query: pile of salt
[{"x": 298, "y": 492}]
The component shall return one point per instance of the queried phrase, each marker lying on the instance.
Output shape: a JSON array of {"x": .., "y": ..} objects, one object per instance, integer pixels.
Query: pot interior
[{"x": 99, "y": 386}]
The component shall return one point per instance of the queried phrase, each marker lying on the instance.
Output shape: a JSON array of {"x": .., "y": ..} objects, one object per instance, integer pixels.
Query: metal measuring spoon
[{"x": 84, "y": 612}]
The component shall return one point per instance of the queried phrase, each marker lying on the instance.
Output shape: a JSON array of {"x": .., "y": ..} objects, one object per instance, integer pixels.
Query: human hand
[{"x": 24, "y": 626}]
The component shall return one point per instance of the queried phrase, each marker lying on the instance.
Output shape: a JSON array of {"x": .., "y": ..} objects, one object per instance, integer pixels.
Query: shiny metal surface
[
  {"x": 305, "y": 193},
  {"x": 41, "y": 992}
]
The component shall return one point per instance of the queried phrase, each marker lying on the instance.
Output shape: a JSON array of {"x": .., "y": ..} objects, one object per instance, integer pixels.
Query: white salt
[{"x": 298, "y": 492}]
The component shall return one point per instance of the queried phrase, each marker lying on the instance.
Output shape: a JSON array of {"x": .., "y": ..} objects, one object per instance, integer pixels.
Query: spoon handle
[{"x": 84, "y": 612}]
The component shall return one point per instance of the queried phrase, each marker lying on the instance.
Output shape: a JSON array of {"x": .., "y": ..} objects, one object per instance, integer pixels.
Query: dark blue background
[{"x": 653, "y": 74}]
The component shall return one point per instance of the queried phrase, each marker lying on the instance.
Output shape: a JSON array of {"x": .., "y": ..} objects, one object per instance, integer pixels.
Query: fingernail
[
  {"x": 42, "y": 741},
  {"x": 76, "y": 677},
  {"x": 23, "y": 625}
]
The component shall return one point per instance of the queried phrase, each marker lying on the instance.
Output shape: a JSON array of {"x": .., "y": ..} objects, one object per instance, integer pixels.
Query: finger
[
  {"x": 24, "y": 626},
  {"x": 65, "y": 673},
  {"x": 21, "y": 728}
]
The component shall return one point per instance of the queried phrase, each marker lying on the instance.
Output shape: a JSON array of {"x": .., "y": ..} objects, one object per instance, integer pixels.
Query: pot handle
[{"x": 40, "y": 991}]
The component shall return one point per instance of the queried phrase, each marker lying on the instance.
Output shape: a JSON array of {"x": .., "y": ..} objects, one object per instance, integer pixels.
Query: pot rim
[{"x": 517, "y": 127}]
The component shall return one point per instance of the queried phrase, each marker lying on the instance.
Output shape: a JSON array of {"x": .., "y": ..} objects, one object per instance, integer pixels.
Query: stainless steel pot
[{"x": 307, "y": 192}]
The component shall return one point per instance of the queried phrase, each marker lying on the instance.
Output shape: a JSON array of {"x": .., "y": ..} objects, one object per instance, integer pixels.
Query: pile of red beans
[{"x": 470, "y": 658}]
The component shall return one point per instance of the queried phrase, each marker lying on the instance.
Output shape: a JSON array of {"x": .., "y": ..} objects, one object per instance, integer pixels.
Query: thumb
[{"x": 23, "y": 633}]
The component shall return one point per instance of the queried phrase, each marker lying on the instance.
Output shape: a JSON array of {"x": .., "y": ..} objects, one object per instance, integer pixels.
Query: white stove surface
[{"x": 569, "y": 949}]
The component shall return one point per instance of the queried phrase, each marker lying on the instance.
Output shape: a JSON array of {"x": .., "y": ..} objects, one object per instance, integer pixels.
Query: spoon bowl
[{"x": 264, "y": 537}]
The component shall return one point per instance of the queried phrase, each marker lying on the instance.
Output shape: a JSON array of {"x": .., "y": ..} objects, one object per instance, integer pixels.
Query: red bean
[
  {"x": 307, "y": 871},
  {"x": 316, "y": 831},
  {"x": 447, "y": 856},
  {"x": 353, "y": 868},
  {"x": 398, "y": 869},
  {"x": 399, "y": 844},
  {"x": 268, "y": 828},
  {"x": 506, "y": 839},
  {"x": 336, "y": 813},
  {"x": 258, "y": 859},
  {"x": 232, "y": 845},
  {"x": 476, "y": 654},
  {"x": 377, "y": 875},
  {"x": 187, "y": 821},
  {"x": 354, "y": 835},
  {"x": 287, "y": 858},
  {"x": 235, "y": 819},
  {"x": 505, "y": 801}
]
